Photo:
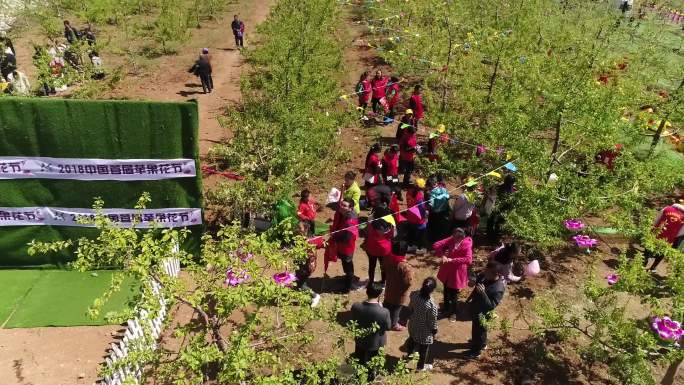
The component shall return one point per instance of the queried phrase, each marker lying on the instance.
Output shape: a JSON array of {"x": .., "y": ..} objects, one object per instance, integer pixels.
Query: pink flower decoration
[
  {"x": 246, "y": 257},
  {"x": 612, "y": 279},
  {"x": 233, "y": 279},
  {"x": 480, "y": 150},
  {"x": 573, "y": 224},
  {"x": 667, "y": 329},
  {"x": 284, "y": 279},
  {"x": 584, "y": 241},
  {"x": 500, "y": 150}
]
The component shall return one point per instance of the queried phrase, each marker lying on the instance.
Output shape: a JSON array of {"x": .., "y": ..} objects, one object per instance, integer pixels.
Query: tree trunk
[
  {"x": 492, "y": 79},
  {"x": 556, "y": 142},
  {"x": 671, "y": 373},
  {"x": 448, "y": 61}
]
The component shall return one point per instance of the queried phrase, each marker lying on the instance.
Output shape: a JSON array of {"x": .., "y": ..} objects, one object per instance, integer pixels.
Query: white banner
[
  {"x": 18, "y": 167},
  {"x": 59, "y": 216}
]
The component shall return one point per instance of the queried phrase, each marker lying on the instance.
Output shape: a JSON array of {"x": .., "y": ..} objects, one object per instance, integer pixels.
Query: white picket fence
[{"x": 144, "y": 327}]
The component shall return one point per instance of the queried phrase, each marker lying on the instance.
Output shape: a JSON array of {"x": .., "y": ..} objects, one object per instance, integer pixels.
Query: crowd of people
[
  {"x": 53, "y": 62},
  {"x": 431, "y": 220}
]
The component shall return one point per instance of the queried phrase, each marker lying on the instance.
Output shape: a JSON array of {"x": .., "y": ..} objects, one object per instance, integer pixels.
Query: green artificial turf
[{"x": 37, "y": 298}]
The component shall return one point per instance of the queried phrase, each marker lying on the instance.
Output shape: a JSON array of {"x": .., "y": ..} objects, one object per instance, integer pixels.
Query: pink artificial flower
[
  {"x": 233, "y": 279},
  {"x": 480, "y": 149},
  {"x": 574, "y": 224},
  {"x": 246, "y": 257},
  {"x": 584, "y": 241},
  {"x": 284, "y": 279},
  {"x": 667, "y": 329},
  {"x": 500, "y": 150},
  {"x": 612, "y": 279}
]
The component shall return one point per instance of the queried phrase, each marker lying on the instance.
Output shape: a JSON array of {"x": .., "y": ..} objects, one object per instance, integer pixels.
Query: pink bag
[{"x": 532, "y": 268}]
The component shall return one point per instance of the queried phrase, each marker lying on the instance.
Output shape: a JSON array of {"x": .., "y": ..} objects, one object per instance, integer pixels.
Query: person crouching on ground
[
  {"x": 457, "y": 254},
  {"x": 422, "y": 324},
  {"x": 487, "y": 294},
  {"x": 399, "y": 279}
]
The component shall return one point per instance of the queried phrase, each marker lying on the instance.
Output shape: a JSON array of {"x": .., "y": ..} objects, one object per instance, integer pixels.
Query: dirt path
[{"x": 170, "y": 81}]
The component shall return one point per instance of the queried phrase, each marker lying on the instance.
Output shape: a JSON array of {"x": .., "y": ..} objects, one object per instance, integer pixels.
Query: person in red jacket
[
  {"x": 390, "y": 165},
  {"x": 363, "y": 89},
  {"x": 372, "y": 173},
  {"x": 307, "y": 210},
  {"x": 407, "y": 152},
  {"x": 379, "y": 241},
  {"x": 344, "y": 232},
  {"x": 392, "y": 94},
  {"x": 416, "y": 103},
  {"x": 378, "y": 84},
  {"x": 670, "y": 227}
]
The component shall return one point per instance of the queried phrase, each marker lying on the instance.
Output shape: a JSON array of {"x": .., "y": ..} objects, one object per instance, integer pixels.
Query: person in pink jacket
[{"x": 457, "y": 254}]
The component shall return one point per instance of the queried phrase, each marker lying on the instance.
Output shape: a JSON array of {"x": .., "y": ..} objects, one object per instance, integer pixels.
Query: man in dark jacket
[
  {"x": 488, "y": 292},
  {"x": 202, "y": 68},
  {"x": 238, "y": 28},
  {"x": 368, "y": 314}
]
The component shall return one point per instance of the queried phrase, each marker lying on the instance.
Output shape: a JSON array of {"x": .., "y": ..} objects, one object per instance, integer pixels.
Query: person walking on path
[
  {"x": 202, "y": 68},
  {"x": 456, "y": 252},
  {"x": 369, "y": 315},
  {"x": 407, "y": 152},
  {"x": 399, "y": 279},
  {"x": 669, "y": 226},
  {"x": 416, "y": 103},
  {"x": 238, "y": 28},
  {"x": 378, "y": 244},
  {"x": 422, "y": 325},
  {"x": 379, "y": 86},
  {"x": 307, "y": 210},
  {"x": 364, "y": 90},
  {"x": 351, "y": 190},
  {"x": 487, "y": 294},
  {"x": 342, "y": 242}
]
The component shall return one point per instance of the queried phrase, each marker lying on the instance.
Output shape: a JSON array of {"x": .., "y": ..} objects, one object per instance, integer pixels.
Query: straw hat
[{"x": 409, "y": 111}]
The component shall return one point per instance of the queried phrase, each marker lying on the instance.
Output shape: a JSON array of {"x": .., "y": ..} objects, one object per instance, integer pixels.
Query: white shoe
[
  {"x": 426, "y": 368},
  {"x": 315, "y": 300}
]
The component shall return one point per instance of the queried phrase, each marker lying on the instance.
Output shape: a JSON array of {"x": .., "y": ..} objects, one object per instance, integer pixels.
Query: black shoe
[{"x": 472, "y": 354}]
